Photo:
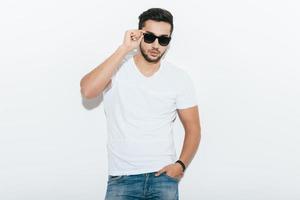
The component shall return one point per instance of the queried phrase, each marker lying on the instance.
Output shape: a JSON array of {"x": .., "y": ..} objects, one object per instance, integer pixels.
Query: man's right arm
[{"x": 93, "y": 83}]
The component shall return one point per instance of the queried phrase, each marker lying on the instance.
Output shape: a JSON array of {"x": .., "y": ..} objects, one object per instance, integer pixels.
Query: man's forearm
[
  {"x": 94, "y": 82},
  {"x": 190, "y": 145}
]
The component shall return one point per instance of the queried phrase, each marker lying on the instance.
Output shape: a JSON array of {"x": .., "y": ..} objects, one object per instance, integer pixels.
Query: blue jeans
[{"x": 141, "y": 187}]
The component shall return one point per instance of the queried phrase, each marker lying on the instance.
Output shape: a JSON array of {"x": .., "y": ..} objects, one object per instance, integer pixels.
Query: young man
[{"x": 142, "y": 94}]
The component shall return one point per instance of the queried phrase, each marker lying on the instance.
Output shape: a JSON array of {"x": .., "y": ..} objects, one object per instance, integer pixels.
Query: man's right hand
[{"x": 133, "y": 38}]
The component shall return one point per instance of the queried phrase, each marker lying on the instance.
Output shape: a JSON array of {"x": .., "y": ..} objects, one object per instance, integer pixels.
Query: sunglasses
[{"x": 162, "y": 40}]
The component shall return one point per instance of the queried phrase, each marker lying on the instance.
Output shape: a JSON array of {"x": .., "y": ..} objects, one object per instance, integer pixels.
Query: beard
[{"x": 147, "y": 58}]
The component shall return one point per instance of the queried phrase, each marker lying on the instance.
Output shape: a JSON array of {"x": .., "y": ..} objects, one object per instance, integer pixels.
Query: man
[{"x": 142, "y": 94}]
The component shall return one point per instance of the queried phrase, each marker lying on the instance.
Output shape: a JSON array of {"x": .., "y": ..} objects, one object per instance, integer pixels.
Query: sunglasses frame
[{"x": 160, "y": 38}]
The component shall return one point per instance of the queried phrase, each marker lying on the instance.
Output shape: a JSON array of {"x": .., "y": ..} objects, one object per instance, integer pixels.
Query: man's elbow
[
  {"x": 197, "y": 133},
  {"x": 194, "y": 132},
  {"x": 87, "y": 94}
]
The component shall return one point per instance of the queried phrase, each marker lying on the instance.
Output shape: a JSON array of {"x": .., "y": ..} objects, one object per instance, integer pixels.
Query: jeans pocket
[
  {"x": 114, "y": 178},
  {"x": 170, "y": 177}
]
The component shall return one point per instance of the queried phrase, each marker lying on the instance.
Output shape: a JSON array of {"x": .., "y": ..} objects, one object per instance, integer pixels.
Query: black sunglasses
[{"x": 162, "y": 40}]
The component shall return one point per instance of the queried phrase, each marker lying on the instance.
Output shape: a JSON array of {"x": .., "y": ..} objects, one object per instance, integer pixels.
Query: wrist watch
[{"x": 181, "y": 163}]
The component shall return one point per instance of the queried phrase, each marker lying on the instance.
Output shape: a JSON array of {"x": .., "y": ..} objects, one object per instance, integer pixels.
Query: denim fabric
[{"x": 141, "y": 187}]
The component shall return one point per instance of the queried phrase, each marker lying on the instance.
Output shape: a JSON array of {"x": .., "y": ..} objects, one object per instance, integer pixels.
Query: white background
[{"x": 243, "y": 57}]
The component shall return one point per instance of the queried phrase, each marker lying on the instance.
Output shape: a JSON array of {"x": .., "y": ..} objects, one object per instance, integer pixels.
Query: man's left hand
[{"x": 174, "y": 170}]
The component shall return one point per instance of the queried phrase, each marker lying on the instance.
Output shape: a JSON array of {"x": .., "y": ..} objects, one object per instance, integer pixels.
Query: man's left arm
[{"x": 190, "y": 120}]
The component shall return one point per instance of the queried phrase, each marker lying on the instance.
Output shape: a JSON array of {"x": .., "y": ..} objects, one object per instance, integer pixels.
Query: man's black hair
[{"x": 156, "y": 14}]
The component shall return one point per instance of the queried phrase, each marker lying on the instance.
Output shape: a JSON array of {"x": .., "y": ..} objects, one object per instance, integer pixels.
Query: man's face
[{"x": 153, "y": 52}]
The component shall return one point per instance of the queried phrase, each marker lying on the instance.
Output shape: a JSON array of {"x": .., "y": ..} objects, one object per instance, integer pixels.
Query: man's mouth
[{"x": 155, "y": 53}]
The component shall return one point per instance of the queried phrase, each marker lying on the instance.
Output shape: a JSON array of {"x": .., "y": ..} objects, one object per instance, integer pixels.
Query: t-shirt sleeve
[{"x": 186, "y": 96}]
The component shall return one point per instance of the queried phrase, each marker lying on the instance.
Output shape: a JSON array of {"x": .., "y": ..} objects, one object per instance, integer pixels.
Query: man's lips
[{"x": 154, "y": 52}]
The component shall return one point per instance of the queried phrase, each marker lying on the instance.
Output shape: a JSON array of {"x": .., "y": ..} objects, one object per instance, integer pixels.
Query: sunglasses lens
[
  {"x": 149, "y": 38},
  {"x": 164, "y": 41}
]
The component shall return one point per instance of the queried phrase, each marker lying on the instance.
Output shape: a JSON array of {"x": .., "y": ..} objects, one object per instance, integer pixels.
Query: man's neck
[{"x": 144, "y": 66}]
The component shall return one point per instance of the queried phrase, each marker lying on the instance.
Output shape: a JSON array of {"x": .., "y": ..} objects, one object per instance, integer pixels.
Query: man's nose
[{"x": 156, "y": 43}]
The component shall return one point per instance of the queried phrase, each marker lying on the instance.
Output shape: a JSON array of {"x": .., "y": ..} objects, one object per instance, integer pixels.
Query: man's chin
[{"x": 153, "y": 59}]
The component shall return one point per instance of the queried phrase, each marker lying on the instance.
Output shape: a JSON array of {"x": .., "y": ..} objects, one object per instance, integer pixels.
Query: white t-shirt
[{"x": 140, "y": 113}]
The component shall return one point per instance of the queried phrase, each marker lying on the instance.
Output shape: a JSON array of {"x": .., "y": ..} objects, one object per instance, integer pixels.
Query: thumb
[{"x": 160, "y": 171}]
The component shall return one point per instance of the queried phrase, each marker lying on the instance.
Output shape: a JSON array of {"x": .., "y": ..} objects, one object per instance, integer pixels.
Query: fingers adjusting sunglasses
[{"x": 162, "y": 40}]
